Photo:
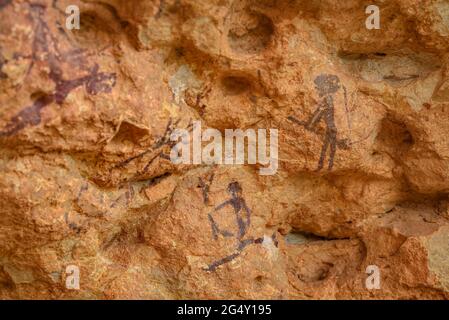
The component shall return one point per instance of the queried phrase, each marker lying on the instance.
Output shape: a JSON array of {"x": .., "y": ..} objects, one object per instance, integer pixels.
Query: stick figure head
[
  {"x": 234, "y": 189},
  {"x": 327, "y": 84}
]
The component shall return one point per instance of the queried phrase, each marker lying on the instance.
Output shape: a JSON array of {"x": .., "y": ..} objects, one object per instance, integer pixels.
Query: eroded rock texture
[{"x": 85, "y": 121}]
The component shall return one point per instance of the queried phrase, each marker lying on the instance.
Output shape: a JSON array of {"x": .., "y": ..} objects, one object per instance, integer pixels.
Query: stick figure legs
[
  {"x": 326, "y": 85},
  {"x": 242, "y": 223}
]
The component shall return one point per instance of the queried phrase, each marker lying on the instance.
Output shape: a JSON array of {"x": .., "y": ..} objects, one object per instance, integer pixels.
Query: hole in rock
[
  {"x": 251, "y": 32},
  {"x": 394, "y": 136},
  {"x": 36, "y": 95},
  {"x": 234, "y": 85},
  {"x": 129, "y": 132},
  {"x": 298, "y": 237}
]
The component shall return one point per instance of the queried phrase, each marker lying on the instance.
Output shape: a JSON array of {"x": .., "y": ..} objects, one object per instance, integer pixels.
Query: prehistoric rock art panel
[{"x": 86, "y": 178}]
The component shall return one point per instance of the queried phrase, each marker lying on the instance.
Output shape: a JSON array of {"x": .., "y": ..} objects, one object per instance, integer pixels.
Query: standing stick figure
[{"x": 326, "y": 85}]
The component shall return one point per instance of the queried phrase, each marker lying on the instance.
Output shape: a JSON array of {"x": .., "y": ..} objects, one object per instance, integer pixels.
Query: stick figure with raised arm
[
  {"x": 243, "y": 220},
  {"x": 239, "y": 205},
  {"x": 326, "y": 85}
]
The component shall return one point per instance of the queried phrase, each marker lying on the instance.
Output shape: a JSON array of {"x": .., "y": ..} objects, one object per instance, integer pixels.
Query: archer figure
[{"x": 326, "y": 85}]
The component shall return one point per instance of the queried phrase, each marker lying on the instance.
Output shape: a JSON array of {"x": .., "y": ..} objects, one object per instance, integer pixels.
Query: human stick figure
[
  {"x": 45, "y": 47},
  {"x": 242, "y": 221},
  {"x": 238, "y": 204},
  {"x": 327, "y": 85}
]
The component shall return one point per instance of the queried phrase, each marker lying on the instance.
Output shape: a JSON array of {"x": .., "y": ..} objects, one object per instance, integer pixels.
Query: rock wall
[{"x": 86, "y": 179}]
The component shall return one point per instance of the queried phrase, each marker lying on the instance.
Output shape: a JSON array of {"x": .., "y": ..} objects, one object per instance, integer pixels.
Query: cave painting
[
  {"x": 242, "y": 223},
  {"x": 45, "y": 48},
  {"x": 157, "y": 148},
  {"x": 205, "y": 186},
  {"x": 327, "y": 85}
]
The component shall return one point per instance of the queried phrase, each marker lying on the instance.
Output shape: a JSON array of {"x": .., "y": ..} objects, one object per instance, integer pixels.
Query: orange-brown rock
[{"x": 86, "y": 179}]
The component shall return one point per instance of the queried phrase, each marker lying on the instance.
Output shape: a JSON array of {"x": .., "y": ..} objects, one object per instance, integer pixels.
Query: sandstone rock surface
[{"x": 86, "y": 179}]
